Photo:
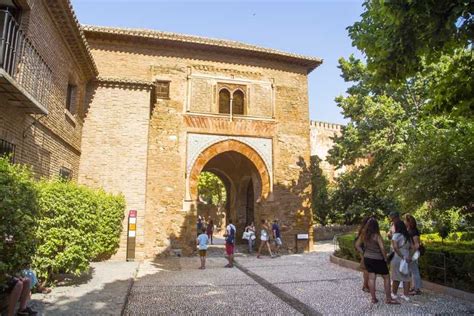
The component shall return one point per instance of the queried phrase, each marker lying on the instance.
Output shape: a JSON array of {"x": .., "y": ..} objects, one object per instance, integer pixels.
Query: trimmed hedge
[
  {"x": 18, "y": 218},
  {"x": 54, "y": 226},
  {"x": 77, "y": 225},
  {"x": 459, "y": 261}
]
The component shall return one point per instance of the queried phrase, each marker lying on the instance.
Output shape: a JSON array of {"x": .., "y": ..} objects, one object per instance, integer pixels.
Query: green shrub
[
  {"x": 76, "y": 225},
  {"x": 109, "y": 224},
  {"x": 459, "y": 258},
  {"x": 18, "y": 218}
]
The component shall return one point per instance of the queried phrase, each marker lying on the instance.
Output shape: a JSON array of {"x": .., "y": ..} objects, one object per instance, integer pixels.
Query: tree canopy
[{"x": 411, "y": 104}]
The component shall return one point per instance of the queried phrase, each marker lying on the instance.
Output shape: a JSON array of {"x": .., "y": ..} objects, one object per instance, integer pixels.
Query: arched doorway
[{"x": 245, "y": 174}]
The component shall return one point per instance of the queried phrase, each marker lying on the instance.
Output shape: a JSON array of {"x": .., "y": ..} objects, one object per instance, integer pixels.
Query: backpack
[{"x": 231, "y": 237}]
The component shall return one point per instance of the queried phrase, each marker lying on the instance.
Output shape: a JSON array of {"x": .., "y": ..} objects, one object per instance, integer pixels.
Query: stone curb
[
  {"x": 129, "y": 290},
  {"x": 434, "y": 287}
]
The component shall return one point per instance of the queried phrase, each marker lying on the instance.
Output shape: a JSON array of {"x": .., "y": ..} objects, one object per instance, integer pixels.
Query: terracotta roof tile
[{"x": 310, "y": 62}]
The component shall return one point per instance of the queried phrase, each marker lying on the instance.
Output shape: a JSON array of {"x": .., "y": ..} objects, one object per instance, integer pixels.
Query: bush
[
  {"x": 459, "y": 258},
  {"x": 18, "y": 218},
  {"x": 76, "y": 225}
]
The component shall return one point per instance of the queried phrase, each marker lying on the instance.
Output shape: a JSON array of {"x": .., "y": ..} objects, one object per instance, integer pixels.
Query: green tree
[
  {"x": 411, "y": 104},
  {"x": 396, "y": 36},
  {"x": 353, "y": 199},
  {"x": 320, "y": 193},
  {"x": 211, "y": 189}
]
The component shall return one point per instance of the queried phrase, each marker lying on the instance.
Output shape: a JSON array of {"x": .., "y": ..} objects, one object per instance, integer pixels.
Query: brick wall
[
  {"x": 54, "y": 140},
  {"x": 114, "y": 149},
  {"x": 168, "y": 223}
]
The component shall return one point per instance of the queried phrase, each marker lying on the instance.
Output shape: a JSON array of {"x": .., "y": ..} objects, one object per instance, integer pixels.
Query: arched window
[
  {"x": 238, "y": 103},
  {"x": 224, "y": 101}
]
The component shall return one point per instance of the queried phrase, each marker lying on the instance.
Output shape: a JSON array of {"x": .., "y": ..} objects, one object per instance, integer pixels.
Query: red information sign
[{"x": 132, "y": 213}]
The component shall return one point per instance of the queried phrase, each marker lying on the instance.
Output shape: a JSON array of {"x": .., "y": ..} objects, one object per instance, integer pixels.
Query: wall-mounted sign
[{"x": 302, "y": 236}]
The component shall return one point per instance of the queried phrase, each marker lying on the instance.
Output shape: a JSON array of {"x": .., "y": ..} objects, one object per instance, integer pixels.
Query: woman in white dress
[{"x": 264, "y": 238}]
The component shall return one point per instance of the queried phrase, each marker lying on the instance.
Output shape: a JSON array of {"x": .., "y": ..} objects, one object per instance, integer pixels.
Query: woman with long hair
[
  {"x": 410, "y": 222},
  {"x": 365, "y": 274},
  {"x": 375, "y": 259},
  {"x": 401, "y": 244}
]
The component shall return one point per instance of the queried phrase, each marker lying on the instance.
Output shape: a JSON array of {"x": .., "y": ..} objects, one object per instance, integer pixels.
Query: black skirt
[{"x": 376, "y": 266}]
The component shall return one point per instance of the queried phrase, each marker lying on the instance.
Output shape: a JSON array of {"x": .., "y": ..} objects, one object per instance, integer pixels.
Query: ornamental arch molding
[{"x": 199, "y": 156}]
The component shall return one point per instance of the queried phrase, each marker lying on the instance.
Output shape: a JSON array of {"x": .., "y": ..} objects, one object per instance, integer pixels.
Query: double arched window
[{"x": 234, "y": 101}]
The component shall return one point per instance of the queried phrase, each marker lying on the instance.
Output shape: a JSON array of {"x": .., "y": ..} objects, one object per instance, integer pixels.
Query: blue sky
[{"x": 314, "y": 28}]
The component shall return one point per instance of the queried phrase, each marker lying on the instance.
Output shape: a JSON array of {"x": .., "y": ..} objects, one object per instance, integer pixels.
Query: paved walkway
[
  {"x": 294, "y": 284},
  {"x": 102, "y": 292},
  {"x": 288, "y": 285}
]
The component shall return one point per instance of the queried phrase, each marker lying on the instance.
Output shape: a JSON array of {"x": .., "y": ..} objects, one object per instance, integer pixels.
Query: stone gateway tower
[{"x": 166, "y": 107}]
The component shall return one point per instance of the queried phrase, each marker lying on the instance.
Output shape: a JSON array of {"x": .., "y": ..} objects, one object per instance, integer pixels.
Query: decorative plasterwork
[{"x": 196, "y": 143}]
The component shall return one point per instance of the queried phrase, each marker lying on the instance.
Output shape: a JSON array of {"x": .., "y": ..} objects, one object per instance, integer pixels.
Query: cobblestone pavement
[
  {"x": 286, "y": 285},
  {"x": 102, "y": 292}
]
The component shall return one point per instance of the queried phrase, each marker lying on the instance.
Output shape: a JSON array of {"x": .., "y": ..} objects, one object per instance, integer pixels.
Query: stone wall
[
  {"x": 322, "y": 134},
  {"x": 169, "y": 218}
]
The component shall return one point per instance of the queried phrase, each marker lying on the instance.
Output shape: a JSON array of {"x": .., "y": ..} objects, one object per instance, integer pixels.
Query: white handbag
[
  {"x": 246, "y": 235},
  {"x": 404, "y": 267}
]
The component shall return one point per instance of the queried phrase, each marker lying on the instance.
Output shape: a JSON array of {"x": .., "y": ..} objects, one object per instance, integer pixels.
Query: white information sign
[{"x": 302, "y": 236}]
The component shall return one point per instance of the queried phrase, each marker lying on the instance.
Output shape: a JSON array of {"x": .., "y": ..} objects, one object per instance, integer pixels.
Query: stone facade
[{"x": 268, "y": 145}]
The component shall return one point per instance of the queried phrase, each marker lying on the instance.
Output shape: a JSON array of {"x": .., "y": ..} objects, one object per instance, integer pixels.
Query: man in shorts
[
  {"x": 230, "y": 243},
  {"x": 276, "y": 236},
  {"x": 202, "y": 242}
]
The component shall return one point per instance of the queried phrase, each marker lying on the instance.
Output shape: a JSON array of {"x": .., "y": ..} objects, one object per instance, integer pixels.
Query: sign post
[
  {"x": 300, "y": 237},
  {"x": 131, "y": 234}
]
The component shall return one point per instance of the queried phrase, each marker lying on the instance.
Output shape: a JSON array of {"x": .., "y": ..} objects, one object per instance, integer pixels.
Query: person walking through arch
[
  {"x": 264, "y": 238},
  {"x": 230, "y": 243},
  {"x": 210, "y": 229}
]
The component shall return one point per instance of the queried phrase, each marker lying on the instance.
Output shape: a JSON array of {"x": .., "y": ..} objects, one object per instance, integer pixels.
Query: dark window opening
[
  {"x": 65, "y": 174},
  {"x": 7, "y": 149},
  {"x": 162, "y": 89},
  {"x": 224, "y": 101},
  {"x": 71, "y": 98},
  {"x": 238, "y": 103}
]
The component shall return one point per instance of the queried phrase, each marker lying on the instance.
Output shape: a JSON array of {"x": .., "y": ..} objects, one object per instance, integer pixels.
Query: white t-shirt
[{"x": 203, "y": 240}]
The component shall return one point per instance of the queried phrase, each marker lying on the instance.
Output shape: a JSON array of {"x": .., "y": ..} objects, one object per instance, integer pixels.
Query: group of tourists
[
  {"x": 402, "y": 259},
  {"x": 267, "y": 236}
]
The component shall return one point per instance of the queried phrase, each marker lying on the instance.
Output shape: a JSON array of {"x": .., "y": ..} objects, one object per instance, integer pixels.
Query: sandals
[
  {"x": 414, "y": 292},
  {"x": 392, "y": 302},
  {"x": 366, "y": 289},
  {"x": 374, "y": 301}
]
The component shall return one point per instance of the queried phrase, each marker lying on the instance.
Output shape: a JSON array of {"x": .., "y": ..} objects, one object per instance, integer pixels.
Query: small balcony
[{"x": 25, "y": 78}]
